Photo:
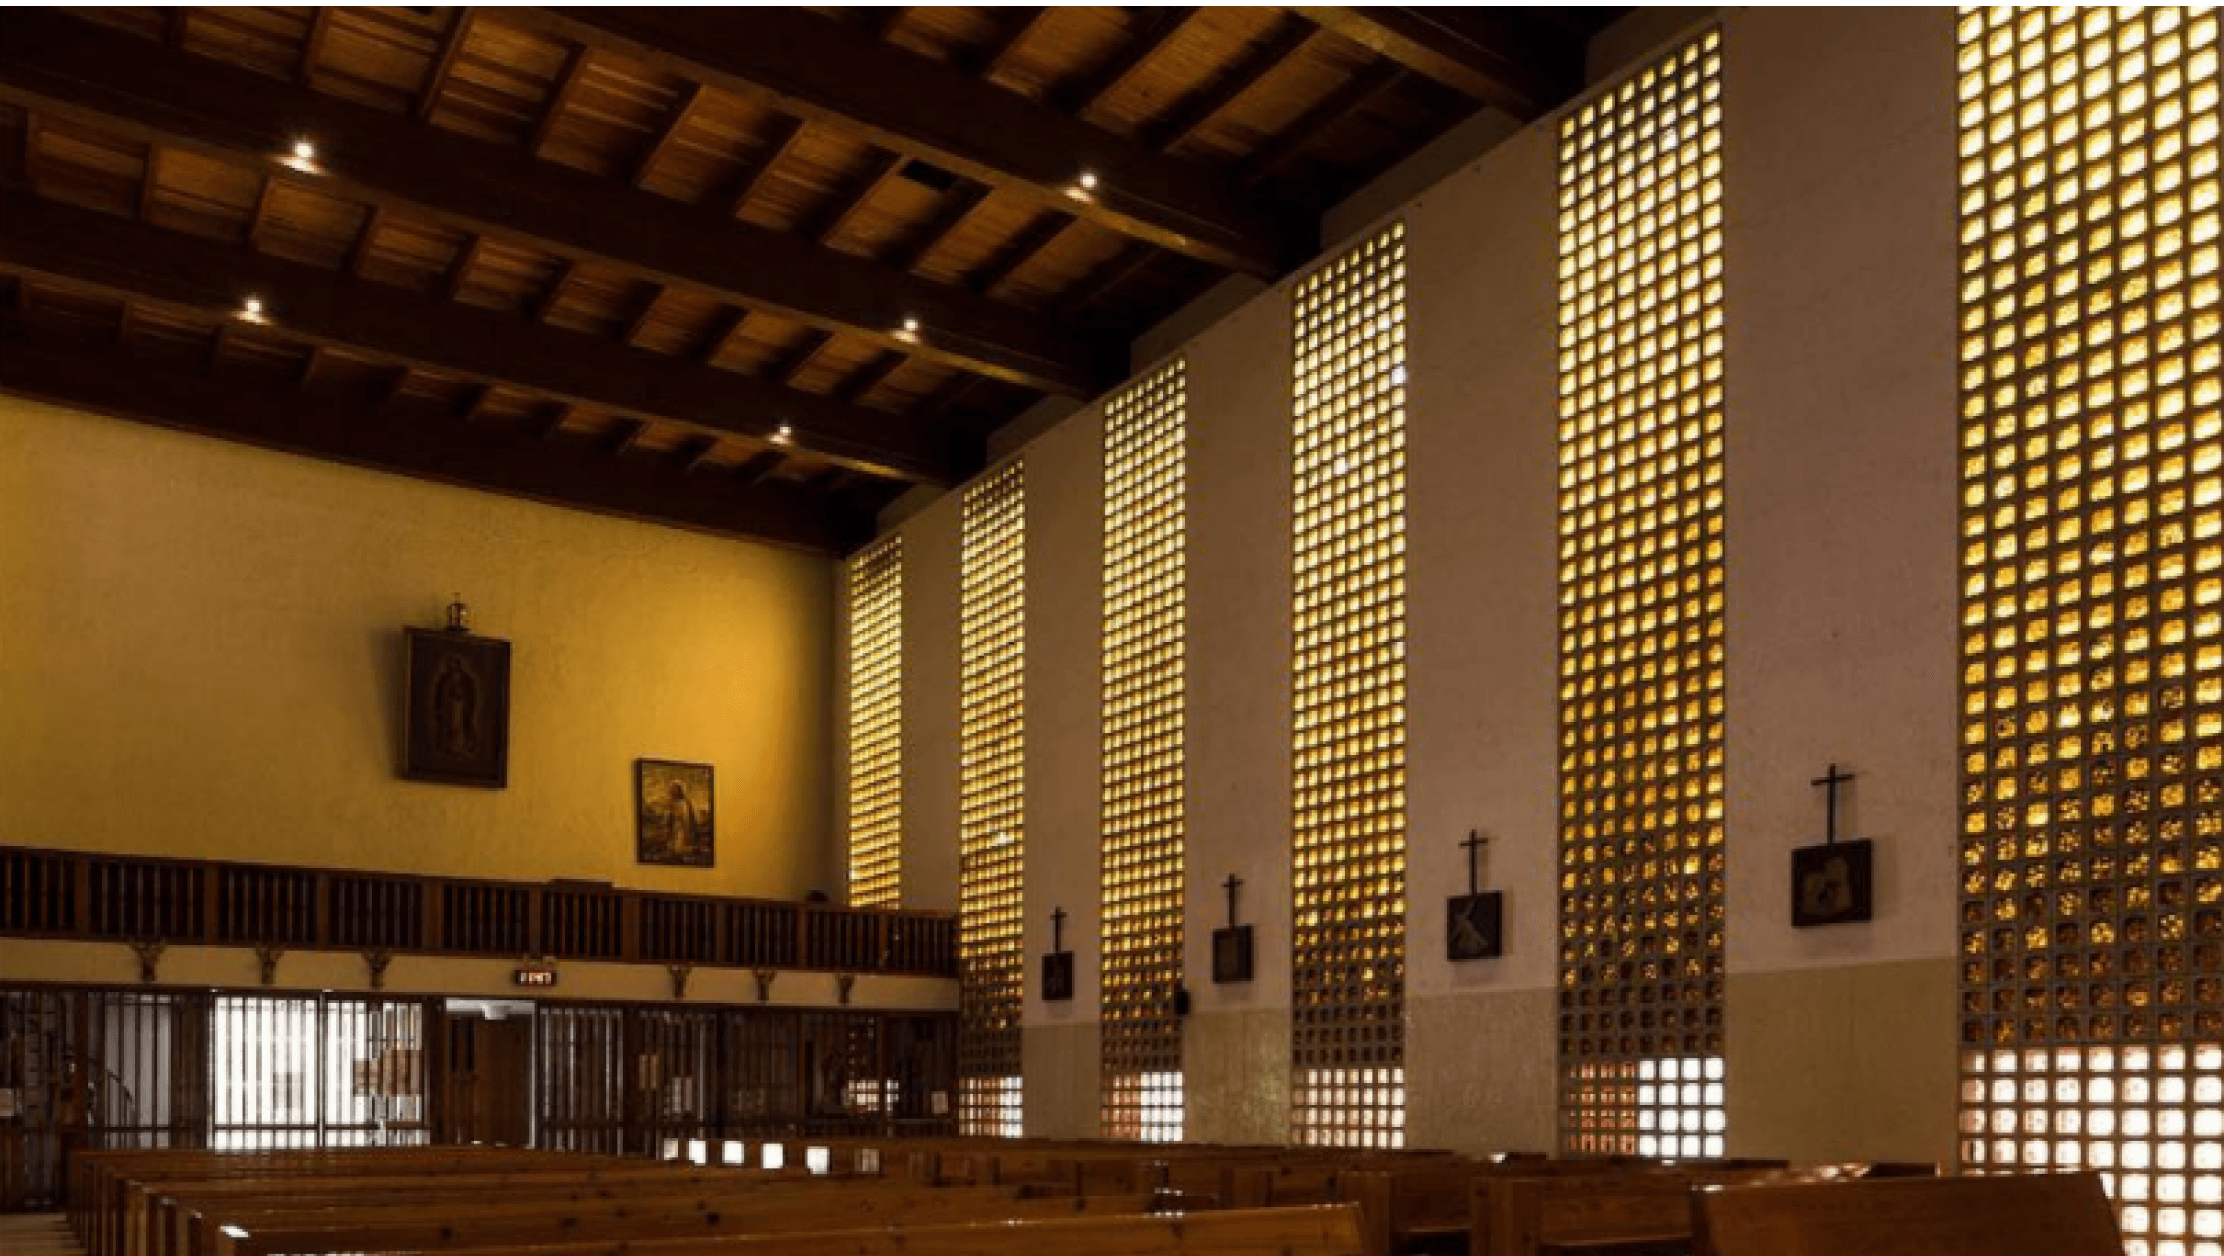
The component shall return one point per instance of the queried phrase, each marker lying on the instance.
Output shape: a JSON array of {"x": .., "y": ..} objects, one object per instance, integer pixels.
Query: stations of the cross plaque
[
  {"x": 1475, "y": 922},
  {"x": 1834, "y": 883},
  {"x": 1057, "y": 967},
  {"x": 1231, "y": 946}
]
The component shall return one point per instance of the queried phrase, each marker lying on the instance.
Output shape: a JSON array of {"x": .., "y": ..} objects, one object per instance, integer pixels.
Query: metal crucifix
[
  {"x": 1058, "y": 929},
  {"x": 1232, "y": 884},
  {"x": 1474, "y": 847},
  {"x": 1830, "y": 781}
]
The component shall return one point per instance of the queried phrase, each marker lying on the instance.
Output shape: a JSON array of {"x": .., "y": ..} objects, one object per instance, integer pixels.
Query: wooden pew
[
  {"x": 1620, "y": 1209},
  {"x": 771, "y": 1211},
  {"x": 1324, "y": 1230},
  {"x": 2055, "y": 1214}
]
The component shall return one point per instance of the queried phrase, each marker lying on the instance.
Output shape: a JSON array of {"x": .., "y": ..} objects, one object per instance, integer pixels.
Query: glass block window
[
  {"x": 2092, "y": 568},
  {"x": 876, "y": 726},
  {"x": 991, "y": 796},
  {"x": 1641, "y": 587},
  {"x": 1146, "y": 530},
  {"x": 1348, "y": 943}
]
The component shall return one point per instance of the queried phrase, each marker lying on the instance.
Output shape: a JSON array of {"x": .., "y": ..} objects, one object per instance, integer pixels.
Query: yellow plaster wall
[{"x": 201, "y": 651}]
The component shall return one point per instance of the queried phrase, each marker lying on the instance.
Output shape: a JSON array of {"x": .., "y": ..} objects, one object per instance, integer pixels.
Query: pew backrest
[{"x": 2053, "y": 1214}]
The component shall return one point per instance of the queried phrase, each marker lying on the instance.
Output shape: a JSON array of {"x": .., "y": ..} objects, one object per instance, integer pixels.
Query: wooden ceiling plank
[
  {"x": 413, "y": 441},
  {"x": 134, "y": 87},
  {"x": 1492, "y": 56},
  {"x": 886, "y": 20},
  {"x": 957, "y": 208},
  {"x": 205, "y": 279},
  {"x": 444, "y": 64},
  {"x": 552, "y": 421},
  {"x": 1194, "y": 112},
  {"x": 815, "y": 68},
  {"x": 689, "y": 103},
  {"x": 1155, "y": 29},
  {"x": 567, "y": 83},
  {"x": 1300, "y": 135},
  {"x": 309, "y": 367}
]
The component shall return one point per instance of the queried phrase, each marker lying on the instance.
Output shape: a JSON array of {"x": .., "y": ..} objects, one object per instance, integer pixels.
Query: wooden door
[{"x": 489, "y": 1080}]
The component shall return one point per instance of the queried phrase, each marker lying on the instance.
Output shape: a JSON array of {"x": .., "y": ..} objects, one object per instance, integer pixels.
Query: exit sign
[{"x": 535, "y": 975}]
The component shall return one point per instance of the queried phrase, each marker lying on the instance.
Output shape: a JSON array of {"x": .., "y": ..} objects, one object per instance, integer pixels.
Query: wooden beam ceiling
[
  {"x": 201, "y": 278},
  {"x": 64, "y": 66},
  {"x": 425, "y": 442},
  {"x": 819, "y": 70},
  {"x": 1522, "y": 64}
]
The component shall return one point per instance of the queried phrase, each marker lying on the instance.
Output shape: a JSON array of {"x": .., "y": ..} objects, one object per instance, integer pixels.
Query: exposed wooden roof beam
[
  {"x": 312, "y": 48},
  {"x": 201, "y": 278},
  {"x": 791, "y": 134},
  {"x": 1018, "y": 251},
  {"x": 820, "y": 70},
  {"x": 694, "y": 454},
  {"x": 1022, "y": 25},
  {"x": 1492, "y": 56},
  {"x": 883, "y": 168},
  {"x": 956, "y": 209},
  {"x": 135, "y": 87},
  {"x": 444, "y": 64},
  {"x": 415, "y": 441},
  {"x": 689, "y": 103},
  {"x": 727, "y": 331},
  {"x": 760, "y": 467},
  {"x": 567, "y": 83}
]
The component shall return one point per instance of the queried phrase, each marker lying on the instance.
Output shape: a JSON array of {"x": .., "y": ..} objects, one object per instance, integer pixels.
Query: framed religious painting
[
  {"x": 674, "y": 813},
  {"x": 456, "y": 713}
]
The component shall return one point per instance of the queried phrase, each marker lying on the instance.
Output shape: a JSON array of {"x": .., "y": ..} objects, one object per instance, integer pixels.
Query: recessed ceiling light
[
  {"x": 911, "y": 325},
  {"x": 304, "y": 151},
  {"x": 252, "y": 307},
  {"x": 783, "y": 434},
  {"x": 1088, "y": 180}
]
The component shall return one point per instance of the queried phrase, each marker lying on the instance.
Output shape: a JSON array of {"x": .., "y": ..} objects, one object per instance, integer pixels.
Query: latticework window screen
[
  {"x": 1641, "y": 586},
  {"x": 2092, "y": 848},
  {"x": 1146, "y": 530},
  {"x": 1348, "y": 943},
  {"x": 876, "y": 726},
  {"x": 991, "y": 796}
]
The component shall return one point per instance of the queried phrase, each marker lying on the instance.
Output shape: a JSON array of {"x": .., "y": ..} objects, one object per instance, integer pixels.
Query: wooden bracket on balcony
[
  {"x": 764, "y": 978},
  {"x": 845, "y": 981},
  {"x": 149, "y": 951},
  {"x": 268, "y": 954},
  {"x": 680, "y": 974},
  {"x": 376, "y": 959}
]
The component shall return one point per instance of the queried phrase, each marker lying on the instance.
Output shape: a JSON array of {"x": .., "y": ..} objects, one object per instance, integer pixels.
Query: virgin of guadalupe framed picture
[
  {"x": 673, "y": 813},
  {"x": 456, "y": 720}
]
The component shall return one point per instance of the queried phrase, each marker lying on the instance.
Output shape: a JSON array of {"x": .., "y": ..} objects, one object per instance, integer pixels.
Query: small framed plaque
[
  {"x": 1474, "y": 926},
  {"x": 1833, "y": 884},
  {"x": 1231, "y": 954},
  {"x": 1057, "y": 977}
]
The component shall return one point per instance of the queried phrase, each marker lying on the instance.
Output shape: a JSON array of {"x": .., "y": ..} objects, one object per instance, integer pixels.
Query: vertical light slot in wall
[
  {"x": 1641, "y": 614},
  {"x": 1146, "y": 594},
  {"x": 1348, "y": 875},
  {"x": 2092, "y": 569},
  {"x": 991, "y": 801},
  {"x": 876, "y": 726}
]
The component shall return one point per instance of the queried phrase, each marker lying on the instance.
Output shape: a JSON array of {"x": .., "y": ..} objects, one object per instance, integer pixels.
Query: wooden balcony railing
[{"x": 84, "y": 896}]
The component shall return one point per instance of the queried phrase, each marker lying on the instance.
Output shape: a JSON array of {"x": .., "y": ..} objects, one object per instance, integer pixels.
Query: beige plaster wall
[{"x": 201, "y": 652}]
